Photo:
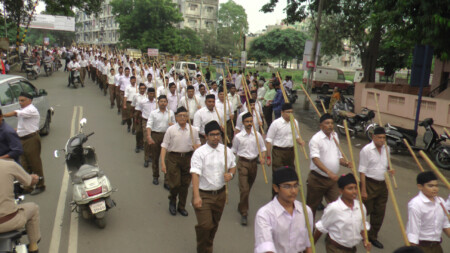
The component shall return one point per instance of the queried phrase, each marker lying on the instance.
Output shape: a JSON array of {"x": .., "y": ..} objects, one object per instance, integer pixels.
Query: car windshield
[{"x": 191, "y": 66}]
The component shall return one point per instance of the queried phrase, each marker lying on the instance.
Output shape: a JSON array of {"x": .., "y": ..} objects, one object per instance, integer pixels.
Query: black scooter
[{"x": 432, "y": 141}]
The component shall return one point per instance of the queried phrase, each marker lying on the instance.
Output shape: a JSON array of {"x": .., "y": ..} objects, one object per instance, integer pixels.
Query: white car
[{"x": 10, "y": 88}]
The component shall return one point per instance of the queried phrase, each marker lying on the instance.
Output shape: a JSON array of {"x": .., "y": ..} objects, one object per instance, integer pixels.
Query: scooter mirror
[
  {"x": 56, "y": 153},
  {"x": 83, "y": 122}
]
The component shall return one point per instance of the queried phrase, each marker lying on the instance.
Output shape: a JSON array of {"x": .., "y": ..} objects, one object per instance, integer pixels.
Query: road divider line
[
  {"x": 73, "y": 232},
  {"x": 59, "y": 216}
]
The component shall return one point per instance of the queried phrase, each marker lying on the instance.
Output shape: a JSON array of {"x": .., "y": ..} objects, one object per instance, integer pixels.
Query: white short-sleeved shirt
[
  {"x": 172, "y": 100},
  {"x": 130, "y": 92},
  {"x": 220, "y": 105},
  {"x": 203, "y": 117},
  {"x": 159, "y": 121},
  {"x": 240, "y": 124},
  {"x": 179, "y": 140},
  {"x": 342, "y": 223},
  {"x": 373, "y": 163},
  {"x": 192, "y": 105},
  {"x": 426, "y": 219},
  {"x": 324, "y": 148},
  {"x": 209, "y": 164},
  {"x": 280, "y": 134},
  {"x": 147, "y": 107},
  {"x": 137, "y": 100},
  {"x": 27, "y": 120},
  {"x": 124, "y": 82},
  {"x": 244, "y": 144},
  {"x": 276, "y": 230}
]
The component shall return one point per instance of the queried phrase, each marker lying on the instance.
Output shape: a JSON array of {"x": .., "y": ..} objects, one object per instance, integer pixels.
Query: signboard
[
  {"x": 243, "y": 59},
  {"x": 46, "y": 41},
  {"x": 50, "y": 22},
  {"x": 308, "y": 52},
  {"x": 153, "y": 52},
  {"x": 310, "y": 64}
]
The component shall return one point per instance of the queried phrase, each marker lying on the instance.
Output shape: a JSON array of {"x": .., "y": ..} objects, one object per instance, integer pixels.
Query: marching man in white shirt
[
  {"x": 205, "y": 115},
  {"x": 136, "y": 104},
  {"x": 147, "y": 106},
  {"x": 374, "y": 193},
  {"x": 128, "y": 109},
  {"x": 280, "y": 225},
  {"x": 342, "y": 220},
  {"x": 192, "y": 102},
  {"x": 245, "y": 147},
  {"x": 426, "y": 215}
]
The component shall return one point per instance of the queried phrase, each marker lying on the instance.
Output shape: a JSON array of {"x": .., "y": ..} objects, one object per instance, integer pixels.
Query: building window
[
  {"x": 192, "y": 22},
  {"x": 193, "y": 7},
  {"x": 209, "y": 9}
]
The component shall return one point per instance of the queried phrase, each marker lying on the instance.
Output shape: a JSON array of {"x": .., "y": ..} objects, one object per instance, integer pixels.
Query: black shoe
[
  {"x": 377, "y": 244},
  {"x": 146, "y": 164},
  {"x": 129, "y": 129},
  {"x": 123, "y": 122},
  {"x": 36, "y": 191},
  {"x": 118, "y": 112},
  {"x": 133, "y": 132},
  {"x": 244, "y": 220},
  {"x": 137, "y": 150},
  {"x": 82, "y": 85},
  {"x": 149, "y": 159},
  {"x": 112, "y": 106},
  {"x": 155, "y": 181},
  {"x": 166, "y": 186},
  {"x": 183, "y": 212},
  {"x": 172, "y": 209}
]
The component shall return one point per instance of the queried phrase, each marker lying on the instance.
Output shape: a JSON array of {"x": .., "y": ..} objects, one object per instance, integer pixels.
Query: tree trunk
[{"x": 370, "y": 55}]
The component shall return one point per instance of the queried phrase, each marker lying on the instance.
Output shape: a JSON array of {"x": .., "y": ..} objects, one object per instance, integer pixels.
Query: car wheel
[
  {"x": 325, "y": 89},
  {"x": 46, "y": 128}
]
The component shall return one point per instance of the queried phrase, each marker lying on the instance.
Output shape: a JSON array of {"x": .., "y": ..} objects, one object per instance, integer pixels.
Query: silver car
[{"x": 10, "y": 88}]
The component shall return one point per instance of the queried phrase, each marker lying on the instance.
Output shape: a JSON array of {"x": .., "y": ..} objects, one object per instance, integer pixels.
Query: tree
[
  {"x": 65, "y": 7},
  {"x": 232, "y": 20},
  {"x": 151, "y": 24},
  {"x": 279, "y": 44}
]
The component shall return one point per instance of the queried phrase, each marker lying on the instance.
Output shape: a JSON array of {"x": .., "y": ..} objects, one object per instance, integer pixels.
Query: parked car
[
  {"x": 359, "y": 74},
  {"x": 180, "y": 68},
  {"x": 325, "y": 78},
  {"x": 10, "y": 88}
]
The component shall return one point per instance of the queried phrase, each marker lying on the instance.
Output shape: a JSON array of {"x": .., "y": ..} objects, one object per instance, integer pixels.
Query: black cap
[
  {"x": 425, "y": 177},
  {"x": 190, "y": 87},
  {"x": 284, "y": 174},
  {"x": 246, "y": 115},
  {"x": 27, "y": 95},
  {"x": 325, "y": 117},
  {"x": 346, "y": 180},
  {"x": 251, "y": 101},
  {"x": 379, "y": 130},
  {"x": 286, "y": 106},
  {"x": 180, "y": 109},
  {"x": 211, "y": 126},
  {"x": 209, "y": 96}
]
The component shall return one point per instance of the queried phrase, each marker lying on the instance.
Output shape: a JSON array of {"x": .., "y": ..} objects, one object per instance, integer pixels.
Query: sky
[{"x": 256, "y": 20}]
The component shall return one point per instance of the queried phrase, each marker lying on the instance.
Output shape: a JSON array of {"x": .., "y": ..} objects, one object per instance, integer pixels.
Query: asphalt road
[{"x": 141, "y": 221}]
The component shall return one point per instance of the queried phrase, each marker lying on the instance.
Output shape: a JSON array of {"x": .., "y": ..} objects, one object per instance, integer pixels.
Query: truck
[{"x": 325, "y": 78}]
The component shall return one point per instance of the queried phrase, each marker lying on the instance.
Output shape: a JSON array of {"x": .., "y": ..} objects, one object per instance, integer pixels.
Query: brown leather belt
[
  {"x": 213, "y": 192},
  {"x": 337, "y": 245},
  {"x": 182, "y": 154},
  {"x": 375, "y": 181},
  {"x": 8, "y": 217},
  {"x": 28, "y": 135},
  {"x": 247, "y": 160},
  {"x": 284, "y": 149},
  {"x": 315, "y": 173},
  {"x": 429, "y": 243}
]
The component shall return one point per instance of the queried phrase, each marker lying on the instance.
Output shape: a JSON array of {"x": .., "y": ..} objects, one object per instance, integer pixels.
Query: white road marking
[
  {"x": 73, "y": 232},
  {"x": 59, "y": 216}
]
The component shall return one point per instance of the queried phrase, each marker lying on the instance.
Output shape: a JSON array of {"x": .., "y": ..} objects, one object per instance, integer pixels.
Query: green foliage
[
  {"x": 232, "y": 18},
  {"x": 36, "y": 37},
  {"x": 65, "y": 7},
  {"x": 284, "y": 44}
]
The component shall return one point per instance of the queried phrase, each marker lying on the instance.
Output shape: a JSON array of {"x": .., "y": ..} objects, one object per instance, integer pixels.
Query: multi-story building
[
  {"x": 198, "y": 14},
  {"x": 89, "y": 29},
  {"x": 102, "y": 29}
]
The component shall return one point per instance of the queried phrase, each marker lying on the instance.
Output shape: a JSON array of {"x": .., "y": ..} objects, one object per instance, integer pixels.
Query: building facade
[{"x": 197, "y": 15}]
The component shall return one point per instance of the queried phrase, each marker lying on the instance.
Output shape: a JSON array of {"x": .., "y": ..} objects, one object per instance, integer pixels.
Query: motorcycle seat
[
  {"x": 86, "y": 171},
  {"x": 11, "y": 234},
  {"x": 347, "y": 114},
  {"x": 409, "y": 132}
]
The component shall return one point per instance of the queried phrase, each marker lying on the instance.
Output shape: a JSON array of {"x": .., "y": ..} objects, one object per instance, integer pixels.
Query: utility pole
[{"x": 313, "y": 54}]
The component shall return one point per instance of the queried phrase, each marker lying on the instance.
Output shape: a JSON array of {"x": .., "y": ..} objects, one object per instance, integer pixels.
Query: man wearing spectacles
[{"x": 280, "y": 225}]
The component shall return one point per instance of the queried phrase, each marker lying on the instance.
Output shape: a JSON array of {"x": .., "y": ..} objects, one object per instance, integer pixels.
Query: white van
[
  {"x": 359, "y": 74},
  {"x": 180, "y": 68},
  {"x": 325, "y": 78}
]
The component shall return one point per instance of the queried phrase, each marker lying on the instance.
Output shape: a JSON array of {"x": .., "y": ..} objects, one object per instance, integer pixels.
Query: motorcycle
[
  {"x": 292, "y": 95},
  {"x": 10, "y": 242},
  {"x": 23, "y": 67},
  {"x": 433, "y": 142},
  {"x": 58, "y": 64},
  {"x": 91, "y": 189},
  {"x": 48, "y": 67},
  {"x": 361, "y": 123},
  {"x": 76, "y": 79},
  {"x": 32, "y": 70}
]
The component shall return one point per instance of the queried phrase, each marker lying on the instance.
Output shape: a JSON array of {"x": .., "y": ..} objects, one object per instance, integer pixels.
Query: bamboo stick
[
  {"x": 247, "y": 96},
  {"x": 323, "y": 106},
  {"x": 310, "y": 100},
  {"x": 226, "y": 101},
  {"x": 189, "y": 120},
  {"x": 300, "y": 186},
  {"x": 413, "y": 155},
  {"x": 366, "y": 238},
  {"x": 385, "y": 143},
  {"x": 397, "y": 211},
  {"x": 225, "y": 144},
  {"x": 435, "y": 169}
]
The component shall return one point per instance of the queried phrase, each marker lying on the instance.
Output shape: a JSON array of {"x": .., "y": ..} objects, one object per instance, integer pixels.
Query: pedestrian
[
  {"x": 173, "y": 97},
  {"x": 28, "y": 131},
  {"x": 179, "y": 143},
  {"x": 247, "y": 151},
  {"x": 202, "y": 95},
  {"x": 190, "y": 102},
  {"x": 106, "y": 67},
  {"x": 84, "y": 67},
  {"x": 112, "y": 86},
  {"x": 210, "y": 173},
  {"x": 147, "y": 106},
  {"x": 324, "y": 166},
  {"x": 342, "y": 220},
  {"x": 220, "y": 103},
  {"x": 10, "y": 146},
  {"x": 128, "y": 110},
  {"x": 214, "y": 89},
  {"x": 278, "y": 100},
  {"x": 267, "y": 104},
  {"x": 205, "y": 115},
  {"x": 158, "y": 122},
  {"x": 427, "y": 215},
  {"x": 280, "y": 225},
  {"x": 257, "y": 120},
  {"x": 136, "y": 104},
  {"x": 373, "y": 164}
]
